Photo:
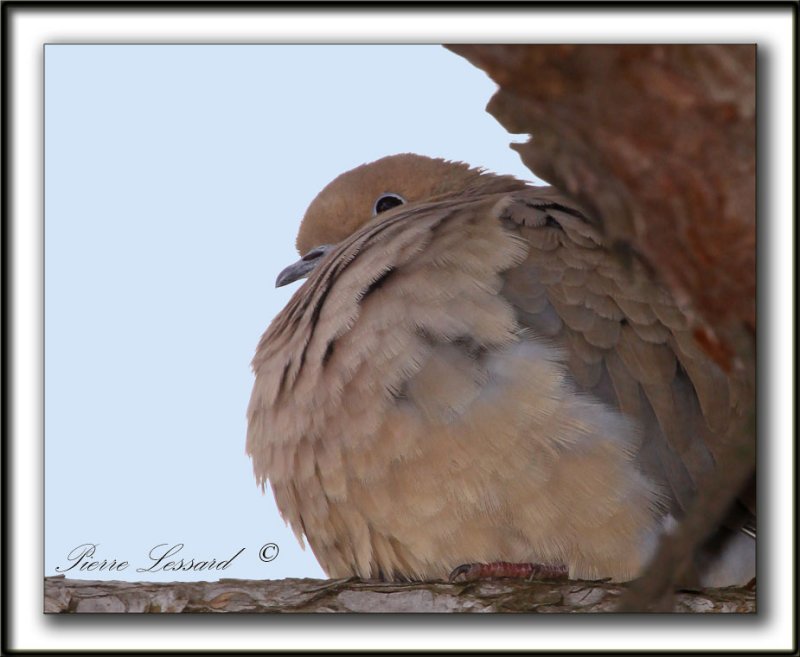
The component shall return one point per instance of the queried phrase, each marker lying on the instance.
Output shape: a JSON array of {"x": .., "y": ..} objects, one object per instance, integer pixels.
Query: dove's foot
[{"x": 473, "y": 571}]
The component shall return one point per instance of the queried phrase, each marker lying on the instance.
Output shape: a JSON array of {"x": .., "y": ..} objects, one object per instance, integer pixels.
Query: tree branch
[{"x": 63, "y": 595}]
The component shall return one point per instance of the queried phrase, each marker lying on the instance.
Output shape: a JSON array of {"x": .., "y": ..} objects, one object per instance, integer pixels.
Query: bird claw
[{"x": 463, "y": 569}]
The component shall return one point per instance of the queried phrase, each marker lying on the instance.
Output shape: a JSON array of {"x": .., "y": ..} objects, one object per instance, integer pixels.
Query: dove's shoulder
[{"x": 628, "y": 341}]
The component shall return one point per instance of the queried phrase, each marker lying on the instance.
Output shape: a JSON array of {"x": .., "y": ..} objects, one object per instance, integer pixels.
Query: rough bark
[
  {"x": 657, "y": 142},
  {"x": 63, "y": 595}
]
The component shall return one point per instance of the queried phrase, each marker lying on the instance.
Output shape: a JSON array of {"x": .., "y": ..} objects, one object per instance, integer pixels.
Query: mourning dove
[{"x": 470, "y": 375}]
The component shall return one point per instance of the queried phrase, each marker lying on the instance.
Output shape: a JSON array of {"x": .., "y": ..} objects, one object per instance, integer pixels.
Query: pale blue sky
[{"x": 175, "y": 179}]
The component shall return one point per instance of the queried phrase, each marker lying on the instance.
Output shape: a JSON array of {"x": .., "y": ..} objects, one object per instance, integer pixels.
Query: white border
[{"x": 771, "y": 29}]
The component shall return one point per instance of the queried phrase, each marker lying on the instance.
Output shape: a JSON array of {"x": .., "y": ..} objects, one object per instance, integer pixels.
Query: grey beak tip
[
  {"x": 302, "y": 268},
  {"x": 285, "y": 277},
  {"x": 292, "y": 273}
]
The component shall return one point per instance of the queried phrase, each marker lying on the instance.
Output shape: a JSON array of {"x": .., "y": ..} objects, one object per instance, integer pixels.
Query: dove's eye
[{"x": 387, "y": 202}]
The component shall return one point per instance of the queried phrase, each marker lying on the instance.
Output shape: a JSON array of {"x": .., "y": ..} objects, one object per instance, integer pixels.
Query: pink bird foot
[{"x": 529, "y": 571}]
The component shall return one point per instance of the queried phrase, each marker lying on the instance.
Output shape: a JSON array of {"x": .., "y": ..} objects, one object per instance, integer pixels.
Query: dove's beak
[{"x": 303, "y": 267}]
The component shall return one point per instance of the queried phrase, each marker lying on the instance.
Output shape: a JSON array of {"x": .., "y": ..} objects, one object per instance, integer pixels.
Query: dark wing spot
[
  {"x": 377, "y": 283},
  {"x": 399, "y": 393},
  {"x": 568, "y": 210},
  {"x": 475, "y": 350},
  {"x": 328, "y": 352},
  {"x": 549, "y": 221},
  {"x": 313, "y": 324},
  {"x": 282, "y": 382}
]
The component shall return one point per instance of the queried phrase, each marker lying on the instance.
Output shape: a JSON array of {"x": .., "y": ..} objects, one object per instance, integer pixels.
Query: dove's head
[{"x": 359, "y": 195}]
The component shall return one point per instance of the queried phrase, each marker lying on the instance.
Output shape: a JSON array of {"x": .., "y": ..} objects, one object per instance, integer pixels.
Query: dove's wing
[{"x": 629, "y": 342}]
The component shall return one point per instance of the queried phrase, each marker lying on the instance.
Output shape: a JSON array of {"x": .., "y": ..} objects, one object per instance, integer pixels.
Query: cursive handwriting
[
  {"x": 81, "y": 558},
  {"x": 159, "y": 557},
  {"x": 162, "y": 559}
]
